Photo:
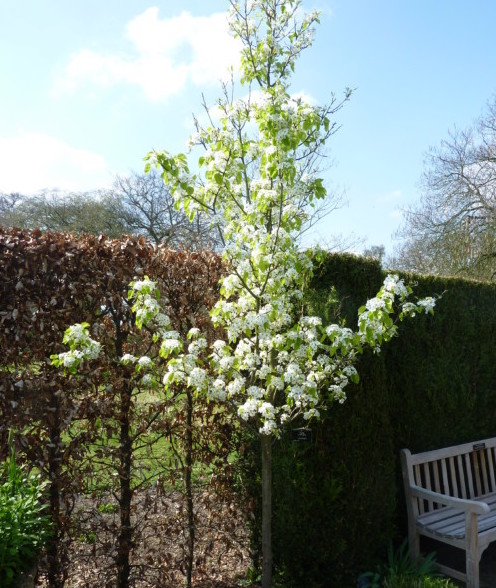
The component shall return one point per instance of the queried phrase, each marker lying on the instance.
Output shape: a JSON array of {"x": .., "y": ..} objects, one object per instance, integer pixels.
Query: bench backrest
[{"x": 463, "y": 471}]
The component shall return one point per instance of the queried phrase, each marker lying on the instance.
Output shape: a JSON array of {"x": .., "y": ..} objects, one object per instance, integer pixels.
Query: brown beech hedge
[{"x": 99, "y": 438}]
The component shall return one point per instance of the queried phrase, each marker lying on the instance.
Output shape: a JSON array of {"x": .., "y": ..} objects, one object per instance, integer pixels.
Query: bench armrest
[{"x": 474, "y": 506}]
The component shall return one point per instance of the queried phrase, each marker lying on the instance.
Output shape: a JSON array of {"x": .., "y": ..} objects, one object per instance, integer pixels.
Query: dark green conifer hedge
[{"x": 339, "y": 499}]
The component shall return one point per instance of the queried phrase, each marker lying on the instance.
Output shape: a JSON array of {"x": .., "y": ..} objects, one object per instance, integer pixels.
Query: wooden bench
[{"x": 451, "y": 497}]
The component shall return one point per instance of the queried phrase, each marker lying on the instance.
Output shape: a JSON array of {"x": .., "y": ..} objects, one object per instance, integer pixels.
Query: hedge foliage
[
  {"x": 101, "y": 438},
  {"x": 339, "y": 499}
]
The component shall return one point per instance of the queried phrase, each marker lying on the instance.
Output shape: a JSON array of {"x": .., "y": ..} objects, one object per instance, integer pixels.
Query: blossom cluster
[
  {"x": 273, "y": 368},
  {"x": 81, "y": 346},
  {"x": 181, "y": 367},
  {"x": 146, "y": 307}
]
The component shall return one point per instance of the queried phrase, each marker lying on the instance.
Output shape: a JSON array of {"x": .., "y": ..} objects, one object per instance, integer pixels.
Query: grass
[{"x": 156, "y": 455}]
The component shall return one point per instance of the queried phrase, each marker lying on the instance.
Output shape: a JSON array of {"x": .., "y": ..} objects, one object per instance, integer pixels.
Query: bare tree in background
[
  {"x": 8, "y": 203},
  {"x": 146, "y": 207},
  {"x": 452, "y": 230},
  {"x": 139, "y": 204},
  {"x": 375, "y": 252}
]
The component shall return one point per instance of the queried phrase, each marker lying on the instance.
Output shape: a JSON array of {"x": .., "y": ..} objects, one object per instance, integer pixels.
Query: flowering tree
[{"x": 256, "y": 182}]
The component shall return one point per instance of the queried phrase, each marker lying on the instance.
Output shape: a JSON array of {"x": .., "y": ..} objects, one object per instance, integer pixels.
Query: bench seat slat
[
  {"x": 449, "y": 522},
  {"x": 489, "y": 499}
]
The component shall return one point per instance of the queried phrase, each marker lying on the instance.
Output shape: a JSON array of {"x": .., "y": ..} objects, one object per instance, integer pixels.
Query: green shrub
[
  {"x": 427, "y": 582},
  {"x": 24, "y": 528},
  {"x": 401, "y": 571}
]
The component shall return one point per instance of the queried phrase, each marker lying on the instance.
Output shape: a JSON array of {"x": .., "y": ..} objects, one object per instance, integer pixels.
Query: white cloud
[
  {"x": 167, "y": 53},
  {"x": 391, "y": 197},
  {"x": 33, "y": 162}
]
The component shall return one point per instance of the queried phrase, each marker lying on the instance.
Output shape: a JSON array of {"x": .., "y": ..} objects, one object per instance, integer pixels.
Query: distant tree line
[{"x": 139, "y": 204}]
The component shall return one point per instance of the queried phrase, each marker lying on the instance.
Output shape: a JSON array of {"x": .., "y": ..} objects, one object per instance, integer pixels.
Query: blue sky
[{"x": 88, "y": 88}]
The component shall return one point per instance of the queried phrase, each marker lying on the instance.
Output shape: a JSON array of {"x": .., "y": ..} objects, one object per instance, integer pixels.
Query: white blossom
[
  {"x": 198, "y": 378},
  {"x": 427, "y": 303},
  {"x": 147, "y": 380},
  {"x": 145, "y": 361},
  {"x": 235, "y": 386},
  {"x": 375, "y": 304},
  {"x": 197, "y": 346},
  {"x": 267, "y": 410},
  {"x": 248, "y": 409},
  {"x": 255, "y": 392},
  {"x": 269, "y": 427},
  {"x": 217, "y": 390},
  {"x": 170, "y": 345},
  {"x": 311, "y": 413}
]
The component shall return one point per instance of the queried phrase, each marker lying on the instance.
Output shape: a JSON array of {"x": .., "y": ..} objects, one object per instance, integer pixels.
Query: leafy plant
[
  {"x": 400, "y": 564},
  {"x": 107, "y": 508},
  {"x": 24, "y": 528},
  {"x": 430, "y": 582},
  {"x": 403, "y": 571},
  {"x": 369, "y": 580},
  {"x": 88, "y": 537},
  {"x": 426, "y": 582}
]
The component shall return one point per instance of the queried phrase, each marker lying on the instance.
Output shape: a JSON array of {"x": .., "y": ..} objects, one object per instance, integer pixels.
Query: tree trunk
[
  {"x": 189, "y": 490},
  {"x": 125, "y": 450},
  {"x": 55, "y": 575},
  {"x": 124, "y": 539},
  {"x": 266, "y": 441}
]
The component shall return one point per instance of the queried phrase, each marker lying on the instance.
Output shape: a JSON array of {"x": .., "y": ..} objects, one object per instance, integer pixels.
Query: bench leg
[
  {"x": 413, "y": 540},
  {"x": 472, "y": 550},
  {"x": 472, "y": 571},
  {"x": 413, "y": 543}
]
